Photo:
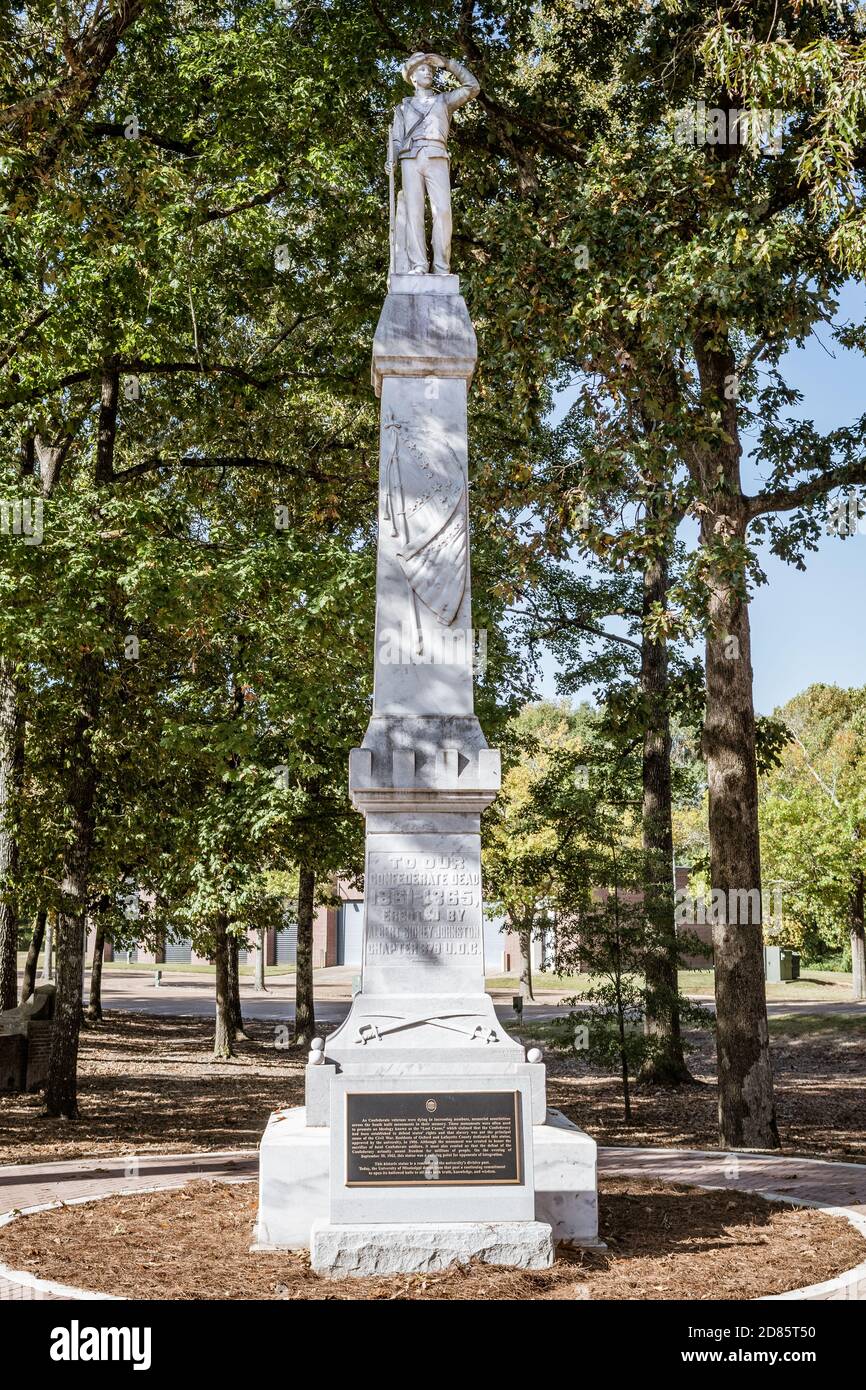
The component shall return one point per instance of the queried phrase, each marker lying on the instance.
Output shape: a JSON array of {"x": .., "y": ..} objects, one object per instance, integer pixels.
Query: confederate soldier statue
[{"x": 419, "y": 140}]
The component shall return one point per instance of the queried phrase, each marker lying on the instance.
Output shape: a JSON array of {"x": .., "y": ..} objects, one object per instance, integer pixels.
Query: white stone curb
[{"x": 851, "y": 1284}]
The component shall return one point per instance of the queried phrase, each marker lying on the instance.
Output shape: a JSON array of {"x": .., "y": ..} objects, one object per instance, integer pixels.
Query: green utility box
[{"x": 781, "y": 963}]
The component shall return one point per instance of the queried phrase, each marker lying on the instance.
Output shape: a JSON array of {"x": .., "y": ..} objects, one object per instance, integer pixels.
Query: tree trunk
[
  {"x": 28, "y": 984},
  {"x": 12, "y": 727},
  {"x": 107, "y": 428},
  {"x": 11, "y": 771},
  {"x": 223, "y": 1043},
  {"x": 305, "y": 1019},
  {"x": 235, "y": 989},
  {"x": 261, "y": 947},
  {"x": 48, "y": 961},
  {"x": 94, "y": 1006},
  {"x": 623, "y": 1057},
  {"x": 61, "y": 1094},
  {"x": 525, "y": 938},
  {"x": 858, "y": 941},
  {"x": 620, "y": 1003},
  {"x": 747, "y": 1115},
  {"x": 667, "y": 1065}
]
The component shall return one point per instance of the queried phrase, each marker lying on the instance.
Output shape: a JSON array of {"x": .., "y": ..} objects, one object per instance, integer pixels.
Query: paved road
[{"x": 193, "y": 998}]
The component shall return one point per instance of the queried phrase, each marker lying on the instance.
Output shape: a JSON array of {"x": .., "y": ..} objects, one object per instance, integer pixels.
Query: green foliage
[{"x": 813, "y": 816}]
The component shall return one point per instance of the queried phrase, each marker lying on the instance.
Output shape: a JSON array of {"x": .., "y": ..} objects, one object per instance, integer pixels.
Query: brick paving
[{"x": 809, "y": 1180}]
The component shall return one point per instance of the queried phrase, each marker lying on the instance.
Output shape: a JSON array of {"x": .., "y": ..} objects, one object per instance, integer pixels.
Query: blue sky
[{"x": 809, "y": 625}]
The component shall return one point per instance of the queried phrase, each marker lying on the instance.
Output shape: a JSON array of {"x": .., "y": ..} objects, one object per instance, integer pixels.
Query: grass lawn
[
  {"x": 805, "y": 1025},
  {"x": 171, "y": 968},
  {"x": 832, "y": 986},
  {"x": 828, "y": 986},
  {"x": 541, "y": 983},
  {"x": 558, "y": 1032}
]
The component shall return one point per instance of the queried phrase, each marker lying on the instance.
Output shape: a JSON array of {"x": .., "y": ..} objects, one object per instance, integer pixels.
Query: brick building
[{"x": 337, "y": 940}]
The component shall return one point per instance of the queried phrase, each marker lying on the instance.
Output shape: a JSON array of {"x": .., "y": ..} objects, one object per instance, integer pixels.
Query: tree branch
[
  {"x": 194, "y": 461},
  {"x": 828, "y": 791},
  {"x": 258, "y": 201},
  {"x": 138, "y": 367},
  {"x": 88, "y": 62},
  {"x": 118, "y": 131},
  {"x": 23, "y": 335},
  {"x": 785, "y": 499},
  {"x": 545, "y": 636},
  {"x": 108, "y": 398}
]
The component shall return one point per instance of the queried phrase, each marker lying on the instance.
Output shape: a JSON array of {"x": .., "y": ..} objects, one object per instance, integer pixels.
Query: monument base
[
  {"x": 426, "y": 1138},
  {"x": 346, "y": 1252},
  {"x": 294, "y": 1184}
]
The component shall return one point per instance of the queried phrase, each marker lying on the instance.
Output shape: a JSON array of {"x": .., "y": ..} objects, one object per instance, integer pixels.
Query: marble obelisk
[{"x": 425, "y": 1137}]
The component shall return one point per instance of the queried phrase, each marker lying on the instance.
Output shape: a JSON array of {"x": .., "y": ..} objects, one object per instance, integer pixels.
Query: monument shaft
[{"x": 425, "y": 1138}]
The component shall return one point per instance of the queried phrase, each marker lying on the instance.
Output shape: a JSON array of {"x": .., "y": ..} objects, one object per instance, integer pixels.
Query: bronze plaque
[{"x": 438, "y": 1138}]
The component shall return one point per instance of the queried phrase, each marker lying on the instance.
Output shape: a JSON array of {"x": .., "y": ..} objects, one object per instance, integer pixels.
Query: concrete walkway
[
  {"x": 192, "y": 996},
  {"x": 811, "y": 1181}
]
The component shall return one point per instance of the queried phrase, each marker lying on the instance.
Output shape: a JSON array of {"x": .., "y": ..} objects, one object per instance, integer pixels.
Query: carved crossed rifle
[{"x": 371, "y": 1032}]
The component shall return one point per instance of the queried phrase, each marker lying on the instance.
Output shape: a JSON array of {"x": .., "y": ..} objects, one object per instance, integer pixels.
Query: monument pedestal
[
  {"x": 295, "y": 1181},
  {"x": 426, "y": 1137}
]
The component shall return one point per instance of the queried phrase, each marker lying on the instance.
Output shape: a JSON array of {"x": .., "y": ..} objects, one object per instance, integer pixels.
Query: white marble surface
[
  {"x": 423, "y": 636},
  {"x": 423, "y": 335},
  {"x": 431, "y": 1201},
  {"x": 294, "y": 1180},
  {"x": 346, "y": 1251},
  {"x": 423, "y": 929},
  {"x": 424, "y": 284},
  {"x": 566, "y": 1187},
  {"x": 422, "y": 1020},
  {"x": 294, "y": 1166},
  {"x": 317, "y": 1093}
]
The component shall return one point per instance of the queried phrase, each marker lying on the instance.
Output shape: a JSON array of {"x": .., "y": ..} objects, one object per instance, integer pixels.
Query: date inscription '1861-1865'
[{"x": 452, "y": 1139}]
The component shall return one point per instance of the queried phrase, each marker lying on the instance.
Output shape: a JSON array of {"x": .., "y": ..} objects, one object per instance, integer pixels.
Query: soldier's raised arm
[{"x": 469, "y": 84}]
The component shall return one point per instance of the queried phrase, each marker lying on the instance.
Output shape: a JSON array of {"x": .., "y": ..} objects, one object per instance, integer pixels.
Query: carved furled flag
[{"x": 426, "y": 504}]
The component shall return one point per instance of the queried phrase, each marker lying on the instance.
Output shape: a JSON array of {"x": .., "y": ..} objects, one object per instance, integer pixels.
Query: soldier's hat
[{"x": 412, "y": 63}]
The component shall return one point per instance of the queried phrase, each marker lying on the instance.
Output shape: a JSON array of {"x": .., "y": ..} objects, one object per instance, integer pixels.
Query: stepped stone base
[
  {"x": 294, "y": 1181},
  {"x": 347, "y": 1252}
]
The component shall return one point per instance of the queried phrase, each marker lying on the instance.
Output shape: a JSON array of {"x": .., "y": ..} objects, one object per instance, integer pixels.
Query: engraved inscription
[
  {"x": 453, "y": 1139},
  {"x": 423, "y": 906}
]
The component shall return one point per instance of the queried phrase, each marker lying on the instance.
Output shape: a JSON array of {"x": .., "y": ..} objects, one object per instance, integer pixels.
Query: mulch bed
[
  {"x": 148, "y": 1085},
  {"x": 666, "y": 1241}
]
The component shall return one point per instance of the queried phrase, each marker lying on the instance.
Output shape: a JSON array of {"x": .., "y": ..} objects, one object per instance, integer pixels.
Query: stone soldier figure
[{"x": 419, "y": 140}]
